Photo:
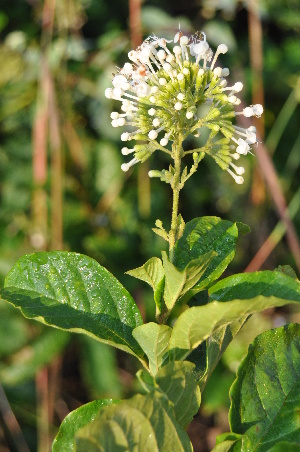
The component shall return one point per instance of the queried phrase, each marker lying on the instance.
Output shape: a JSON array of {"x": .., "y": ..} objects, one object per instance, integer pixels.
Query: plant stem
[{"x": 177, "y": 155}]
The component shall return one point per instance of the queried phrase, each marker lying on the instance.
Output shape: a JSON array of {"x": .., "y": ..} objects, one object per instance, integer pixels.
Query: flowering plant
[{"x": 166, "y": 96}]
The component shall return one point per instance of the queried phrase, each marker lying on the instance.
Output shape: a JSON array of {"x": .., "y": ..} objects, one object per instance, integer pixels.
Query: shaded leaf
[
  {"x": 266, "y": 394},
  {"x": 73, "y": 292},
  {"x": 154, "y": 340},
  {"x": 177, "y": 380},
  {"x": 201, "y": 236},
  {"x": 287, "y": 270},
  {"x": 216, "y": 345},
  {"x": 144, "y": 423},
  {"x": 65, "y": 438}
]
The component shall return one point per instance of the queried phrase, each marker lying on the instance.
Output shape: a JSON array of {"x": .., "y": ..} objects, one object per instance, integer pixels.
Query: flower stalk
[{"x": 177, "y": 153}]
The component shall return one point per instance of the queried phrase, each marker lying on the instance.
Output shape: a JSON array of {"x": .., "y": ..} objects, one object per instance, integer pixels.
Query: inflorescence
[{"x": 161, "y": 92}]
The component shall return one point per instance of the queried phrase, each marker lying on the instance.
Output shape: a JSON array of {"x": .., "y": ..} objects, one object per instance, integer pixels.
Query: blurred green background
[{"x": 61, "y": 186}]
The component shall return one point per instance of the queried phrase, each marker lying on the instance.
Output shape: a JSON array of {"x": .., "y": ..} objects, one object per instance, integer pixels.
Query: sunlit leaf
[
  {"x": 198, "y": 323},
  {"x": 65, "y": 438},
  {"x": 154, "y": 340},
  {"x": 144, "y": 423},
  {"x": 73, "y": 292}
]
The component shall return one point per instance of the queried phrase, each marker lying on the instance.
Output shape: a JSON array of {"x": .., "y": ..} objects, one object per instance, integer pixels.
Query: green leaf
[
  {"x": 244, "y": 286},
  {"x": 244, "y": 229},
  {"x": 152, "y": 272},
  {"x": 154, "y": 340},
  {"x": 201, "y": 236},
  {"x": 65, "y": 438},
  {"x": 193, "y": 271},
  {"x": 174, "y": 282},
  {"x": 177, "y": 380},
  {"x": 143, "y": 423},
  {"x": 196, "y": 324},
  {"x": 228, "y": 442},
  {"x": 216, "y": 345},
  {"x": 266, "y": 394},
  {"x": 73, "y": 292},
  {"x": 285, "y": 446},
  {"x": 24, "y": 364}
]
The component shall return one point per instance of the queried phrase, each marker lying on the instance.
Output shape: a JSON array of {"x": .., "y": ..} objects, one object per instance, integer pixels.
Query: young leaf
[
  {"x": 196, "y": 324},
  {"x": 193, "y": 271},
  {"x": 266, "y": 394},
  {"x": 24, "y": 364},
  {"x": 154, "y": 340},
  {"x": 152, "y": 272},
  {"x": 144, "y": 423},
  {"x": 174, "y": 282},
  {"x": 201, "y": 236},
  {"x": 65, "y": 439},
  {"x": 249, "y": 285},
  {"x": 73, "y": 292}
]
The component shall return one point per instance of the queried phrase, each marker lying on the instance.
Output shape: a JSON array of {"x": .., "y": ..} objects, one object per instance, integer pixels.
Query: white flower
[{"x": 161, "y": 90}]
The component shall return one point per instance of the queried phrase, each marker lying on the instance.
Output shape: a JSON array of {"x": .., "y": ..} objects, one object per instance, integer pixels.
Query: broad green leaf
[
  {"x": 285, "y": 446},
  {"x": 201, "y": 236},
  {"x": 73, "y": 292},
  {"x": 24, "y": 364},
  {"x": 174, "y": 282},
  {"x": 143, "y": 423},
  {"x": 154, "y": 340},
  {"x": 265, "y": 397},
  {"x": 177, "y": 380},
  {"x": 196, "y": 324},
  {"x": 152, "y": 272},
  {"x": 249, "y": 285},
  {"x": 65, "y": 439}
]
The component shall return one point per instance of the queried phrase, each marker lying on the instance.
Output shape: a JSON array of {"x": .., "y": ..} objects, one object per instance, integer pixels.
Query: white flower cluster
[{"x": 161, "y": 91}]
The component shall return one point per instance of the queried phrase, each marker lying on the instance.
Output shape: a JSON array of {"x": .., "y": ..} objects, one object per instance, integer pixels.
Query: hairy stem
[{"x": 177, "y": 153}]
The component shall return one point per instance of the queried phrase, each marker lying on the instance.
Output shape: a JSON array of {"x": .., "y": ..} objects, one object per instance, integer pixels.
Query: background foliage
[{"x": 71, "y": 181}]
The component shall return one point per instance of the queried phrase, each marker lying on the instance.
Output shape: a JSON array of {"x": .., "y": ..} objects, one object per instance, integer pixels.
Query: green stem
[{"x": 177, "y": 155}]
